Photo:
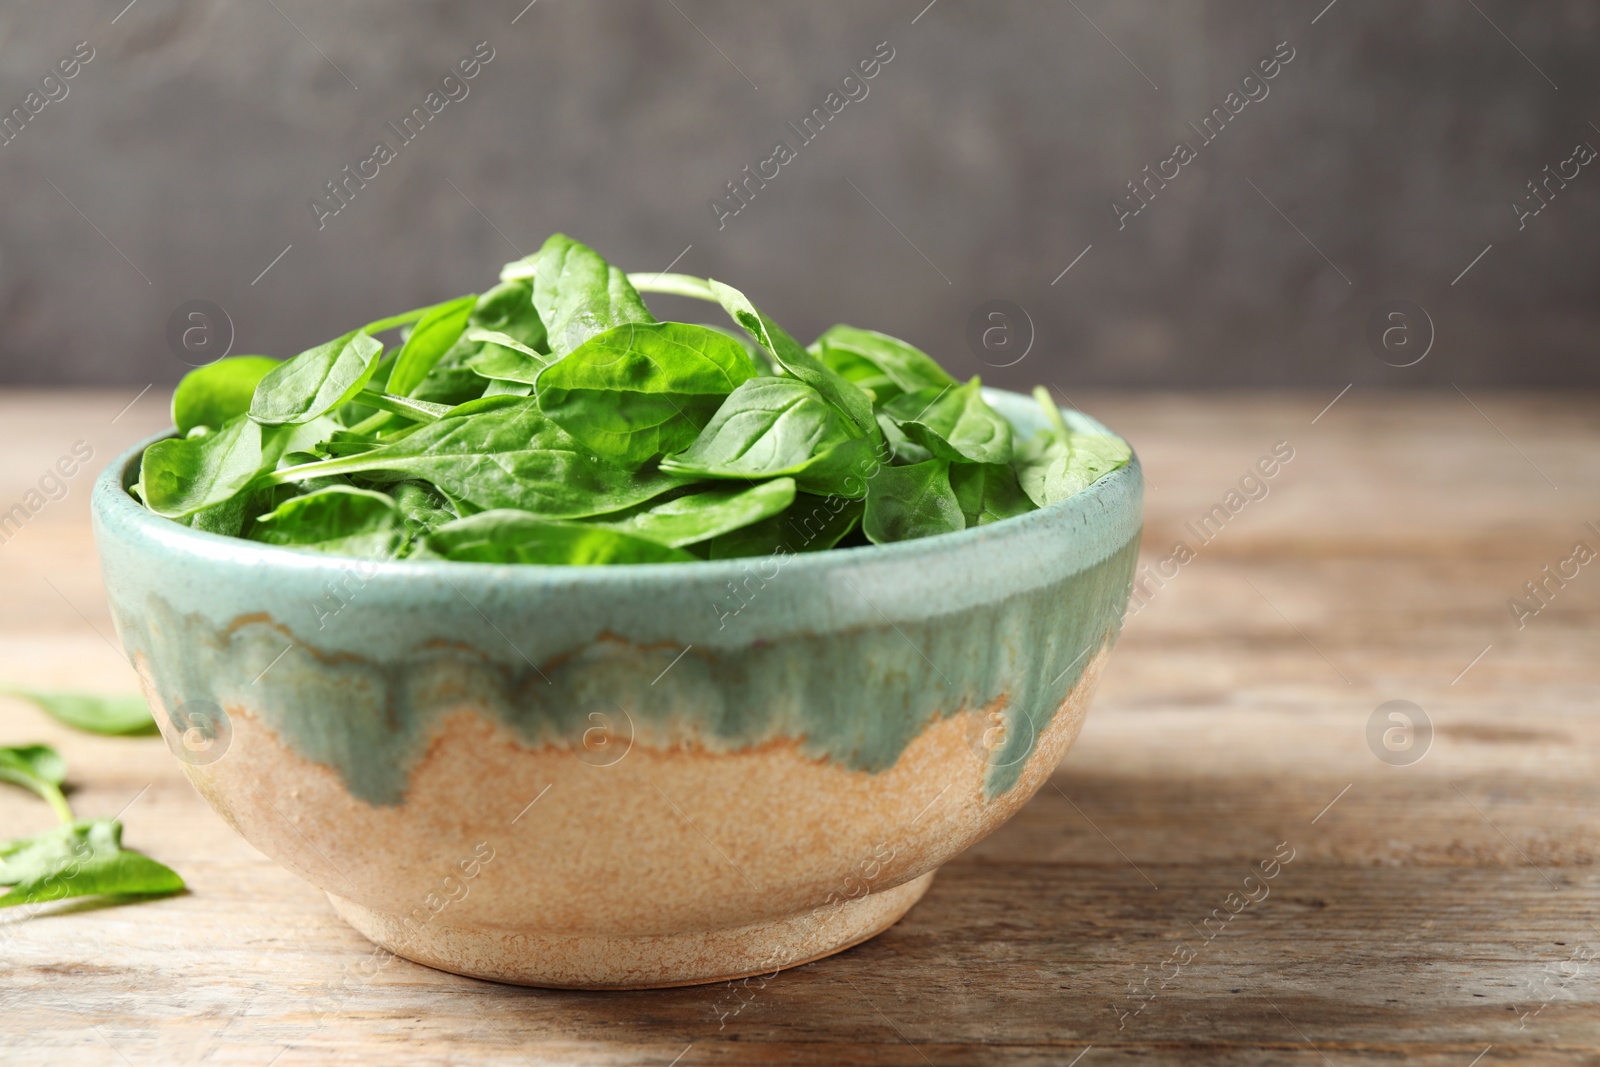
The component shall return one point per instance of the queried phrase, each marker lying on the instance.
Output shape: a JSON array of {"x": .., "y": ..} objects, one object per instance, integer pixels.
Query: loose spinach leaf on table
[
  {"x": 79, "y": 859},
  {"x": 504, "y": 536},
  {"x": 211, "y": 395},
  {"x": 904, "y": 503},
  {"x": 697, "y": 517},
  {"x": 952, "y": 423},
  {"x": 39, "y": 768},
  {"x": 642, "y": 389},
  {"x": 92, "y": 712}
]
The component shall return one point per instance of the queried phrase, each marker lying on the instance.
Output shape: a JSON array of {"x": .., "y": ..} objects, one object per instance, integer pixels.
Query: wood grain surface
[{"x": 1442, "y": 912}]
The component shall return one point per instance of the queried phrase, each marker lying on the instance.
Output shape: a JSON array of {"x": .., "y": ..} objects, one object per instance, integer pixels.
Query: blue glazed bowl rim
[{"x": 125, "y": 517}]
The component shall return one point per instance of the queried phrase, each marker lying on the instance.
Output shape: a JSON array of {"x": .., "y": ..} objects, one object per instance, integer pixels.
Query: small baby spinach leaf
[
  {"x": 92, "y": 712},
  {"x": 508, "y": 309},
  {"x": 504, "y": 358},
  {"x": 673, "y": 284},
  {"x": 902, "y": 449},
  {"x": 576, "y": 292},
  {"x": 422, "y": 507},
  {"x": 430, "y": 339},
  {"x": 1055, "y": 464},
  {"x": 794, "y": 360},
  {"x": 503, "y": 536},
  {"x": 79, "y": 859},
  {"x": 180, "y": 476},
  {"x": 688, "y": 520},
  {"x": 850, "y": 351},
  {"x": 316, "y": 381},
  {"x": 987, "y": 492},
  {"x": 642, "y": 389},
  {"x": 775, "y": 426},
  {"x": 953, "y": 423},
  {"x": 509, "y": 457},
  {"x": 211, "y": 395},
  {"x": 404, "y": 406},
  {"x": 811, "y": 524},
  {"x": 339, "y": 520},
  {"x": 39, "y": 768},
  {"x": 909, "y": 502}
]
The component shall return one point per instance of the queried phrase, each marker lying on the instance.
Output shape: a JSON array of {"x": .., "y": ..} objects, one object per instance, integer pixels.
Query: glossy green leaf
[
  {"x": 39, "y": 768},
  {"x": 504, "y": 358},
  {"x": 910, "y": 502},
  {"x": 79, "y": 859},
  {"x": 642, "y": 389},
  {"x": 517, "y": 537},
  {"x": 434, "y": 334},
  {"x": 795, "y": 360},
  {"x": 91, "y": 712},
  {"x": 770, "y": 427},
  {"x": 851, "y": 351},
  {"x": 316, "y": 381},
  {"x": 811, "y": 524},
  {"x": 422, "y": 507},
  {"x": 340, "y": 520},
  {"x": 576, "y": 292},
  {"x": 509, "y": 457},
  {"x": 213, "y": 394},
  {"x": 988, "y": 492},
  {"x": 1055, "y": 464},
  {"x": 180, "y": 476},
  {"x": 696, "y": 517},
  {"x": 953, "y": 423}
]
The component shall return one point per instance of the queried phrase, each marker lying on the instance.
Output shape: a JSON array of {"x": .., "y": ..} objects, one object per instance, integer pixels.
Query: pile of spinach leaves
[{"x": 554, "y": 419}]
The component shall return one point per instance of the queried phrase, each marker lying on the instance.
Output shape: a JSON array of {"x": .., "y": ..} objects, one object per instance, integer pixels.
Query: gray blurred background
[{"x": 981, "y": 164}]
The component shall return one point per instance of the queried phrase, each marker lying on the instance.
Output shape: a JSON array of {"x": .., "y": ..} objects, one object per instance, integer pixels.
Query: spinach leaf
[
  {"x": 316, "y": 381},
  {"x": 422, "y": 507},
  {"x": 504, "y": 358},
  {"x": 811, "y": 524},
  {"x": 39, "y": 768},
  {"x": 577, "y": 293},
  {"x": 211, "y": 395},
  {"x": 902, "y": 449},
  {"x": 430, "y": 339},
  {"x": 987, "y": 492},
  {"x": 508, "y": 309},
  {"x": 794, "y": 360},
  {"x": 953, "y": 423},
  {"x": 776, "y": 426},
  {"x": 639, "y": 390},
  {"x": 404, "y": 406},
  {"x": 674, "y": 284},
  {"x": 688, "y": 520},
  {"x": 909, "y": 502},
  {"x": 516, "y": 537},
  {"x": 340, "y": 520},
  {"x": 79, "y": 859},
  {"x": 864, "y": 355},
  {"x": 92, "y": 713},
  {"x": 509, "y": 457},
  {"x": 1055, "y": 464},
  {"x": 180, "y": 476}
]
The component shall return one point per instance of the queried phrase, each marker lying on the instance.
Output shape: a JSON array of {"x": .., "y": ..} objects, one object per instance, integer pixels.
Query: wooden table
[{"x": 1440, "y": 911}]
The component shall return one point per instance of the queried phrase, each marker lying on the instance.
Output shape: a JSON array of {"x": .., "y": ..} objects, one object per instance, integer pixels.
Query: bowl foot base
[{"x": 592, "y": 961}]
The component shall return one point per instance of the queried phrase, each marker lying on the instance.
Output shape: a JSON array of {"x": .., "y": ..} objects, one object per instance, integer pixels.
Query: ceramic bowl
[{"x": 624, "y": 776}]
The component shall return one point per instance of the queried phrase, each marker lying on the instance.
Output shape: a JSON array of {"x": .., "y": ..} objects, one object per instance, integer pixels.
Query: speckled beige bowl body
[{"x": 623, "y": 777}]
